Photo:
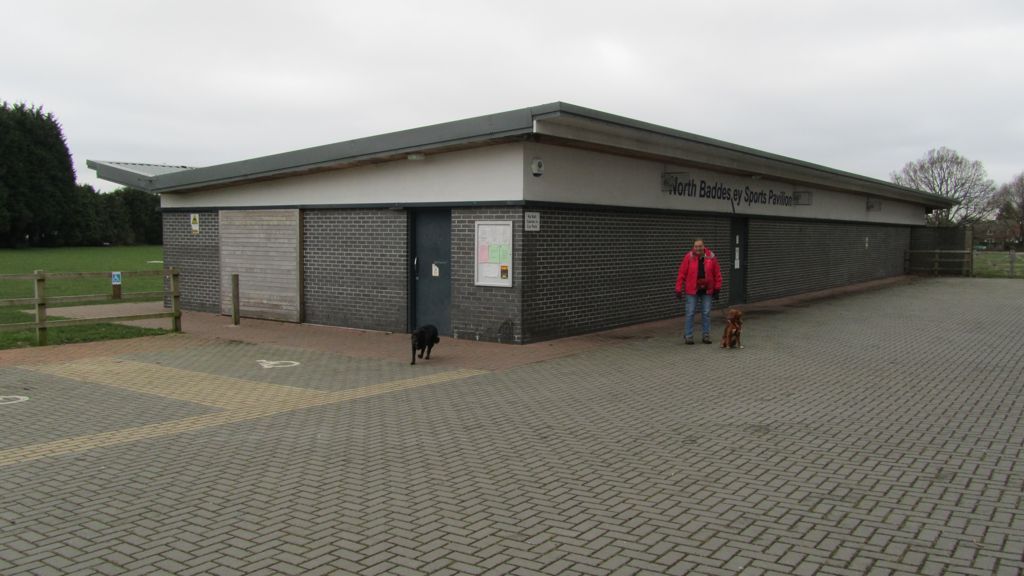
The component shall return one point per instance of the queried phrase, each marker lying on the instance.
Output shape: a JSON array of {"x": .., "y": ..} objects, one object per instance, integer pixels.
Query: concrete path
[{"x": 877, "y": 433}]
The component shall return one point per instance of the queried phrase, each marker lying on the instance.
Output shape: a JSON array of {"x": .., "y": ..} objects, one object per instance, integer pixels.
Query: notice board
[{"x": 493, "y": 254}]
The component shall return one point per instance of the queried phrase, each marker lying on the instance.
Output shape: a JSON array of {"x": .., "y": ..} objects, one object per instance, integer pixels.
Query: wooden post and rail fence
[
  {"x": 940, "y": 262},
  {"x": 40, "y": 301}
]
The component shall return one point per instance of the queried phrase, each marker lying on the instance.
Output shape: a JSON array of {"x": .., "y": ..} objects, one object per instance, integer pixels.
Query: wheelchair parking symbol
[{"x": 12, "y": 399}]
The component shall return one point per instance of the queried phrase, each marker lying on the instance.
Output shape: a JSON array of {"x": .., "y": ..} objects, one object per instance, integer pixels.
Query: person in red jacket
[{"x": 701, "y": 280}]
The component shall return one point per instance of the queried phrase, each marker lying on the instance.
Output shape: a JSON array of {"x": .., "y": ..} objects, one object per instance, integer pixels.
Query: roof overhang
[
  {"x": 133, "y": 175},
  {"x": 559, "y": 123}
]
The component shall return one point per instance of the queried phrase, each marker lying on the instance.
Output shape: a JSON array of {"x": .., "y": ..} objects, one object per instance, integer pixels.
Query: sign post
[{"x": 115, "y": 283}]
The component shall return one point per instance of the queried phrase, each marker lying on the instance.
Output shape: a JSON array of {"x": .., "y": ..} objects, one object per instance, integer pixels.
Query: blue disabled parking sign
[{"x": 115, "y": 278}]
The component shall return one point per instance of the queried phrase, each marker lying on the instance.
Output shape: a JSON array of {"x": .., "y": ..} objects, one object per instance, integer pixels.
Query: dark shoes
[
  {"x": 706, "y": 339},
  {"x": 689, "y": 340}
]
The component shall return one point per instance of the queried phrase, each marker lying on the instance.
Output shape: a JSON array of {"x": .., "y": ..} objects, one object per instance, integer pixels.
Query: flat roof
[{"x": 558, "y": 122}]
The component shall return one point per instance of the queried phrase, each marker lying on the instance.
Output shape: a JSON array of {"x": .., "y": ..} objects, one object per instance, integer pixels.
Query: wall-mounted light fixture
[{"x": 537, "y": 167}]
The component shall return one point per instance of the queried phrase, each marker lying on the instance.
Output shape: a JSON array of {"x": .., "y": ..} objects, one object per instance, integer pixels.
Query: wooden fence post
[
  {"x": 40, "y": 308},
  {"x": 935, "y": 264},
  {"x": 969, "y": 246},
  {"x": 234, "y": 300},
  {"x": 175, "y": 301}
]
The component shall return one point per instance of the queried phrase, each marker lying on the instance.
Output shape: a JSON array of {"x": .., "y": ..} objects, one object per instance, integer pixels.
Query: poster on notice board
[{"x": 493, "y": 254}]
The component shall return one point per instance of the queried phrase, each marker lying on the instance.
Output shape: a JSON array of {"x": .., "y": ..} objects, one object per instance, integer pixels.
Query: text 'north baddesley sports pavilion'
[{"x": 517, "y": 227}]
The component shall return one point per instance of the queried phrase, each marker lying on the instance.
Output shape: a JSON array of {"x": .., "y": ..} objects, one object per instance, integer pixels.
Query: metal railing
[{"x": 40, "y": 301}]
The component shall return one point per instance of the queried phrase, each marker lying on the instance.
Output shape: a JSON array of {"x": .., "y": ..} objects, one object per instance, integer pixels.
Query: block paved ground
[{"x": 876, "y": 433}]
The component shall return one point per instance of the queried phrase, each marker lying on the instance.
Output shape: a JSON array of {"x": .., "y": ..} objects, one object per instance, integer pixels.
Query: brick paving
[{"x": 877, "y": 433}]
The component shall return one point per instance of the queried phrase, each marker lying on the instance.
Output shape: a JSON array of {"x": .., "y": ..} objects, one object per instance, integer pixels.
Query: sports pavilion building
[{"x": 517, "y": 227}]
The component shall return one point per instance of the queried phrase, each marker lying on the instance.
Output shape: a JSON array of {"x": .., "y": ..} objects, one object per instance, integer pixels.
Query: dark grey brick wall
[
  {"x": 940, "y": 238},
  {"x": 936, "y": 238},
  {"x": 196, "y": 256},
  {"x": 485, "y": 312},
  {"x": 585, "y": 270},
  {"x": 791, "y": 257},
  {"x": 588, "y": 270},
  {"x": 355, "y": 268}
]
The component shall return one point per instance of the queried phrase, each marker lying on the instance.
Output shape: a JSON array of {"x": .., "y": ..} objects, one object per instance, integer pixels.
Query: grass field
[
  {"x": 121, "y": 259},
  {"x": 997, "y": 265}
]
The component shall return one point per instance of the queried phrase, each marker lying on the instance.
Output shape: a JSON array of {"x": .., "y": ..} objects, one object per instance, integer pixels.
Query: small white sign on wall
[
  {"x": 531, "y": 221},
  {"x": 493, "y": 258}
]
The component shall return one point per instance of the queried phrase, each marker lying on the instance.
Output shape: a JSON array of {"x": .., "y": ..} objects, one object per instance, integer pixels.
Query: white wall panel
[
  {"x": 492, "y": 173},
  {"x": 573, "y": 175}
]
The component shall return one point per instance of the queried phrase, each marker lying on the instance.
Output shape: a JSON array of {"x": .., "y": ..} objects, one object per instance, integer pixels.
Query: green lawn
[
  {"x": 121, "y": 259},
  {"x": 67, "y": 334},
  {"x": 997, "y": 265}
]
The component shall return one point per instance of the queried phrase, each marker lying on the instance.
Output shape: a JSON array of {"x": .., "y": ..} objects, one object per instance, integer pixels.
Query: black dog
[{"x": 423, "y": 339}]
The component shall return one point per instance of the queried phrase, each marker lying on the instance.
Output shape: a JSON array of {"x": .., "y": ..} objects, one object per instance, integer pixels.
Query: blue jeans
[{"x": 705, "y": 313}]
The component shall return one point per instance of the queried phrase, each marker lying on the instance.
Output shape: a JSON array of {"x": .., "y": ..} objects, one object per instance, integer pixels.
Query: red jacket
[{"x": 688, "y": 273}]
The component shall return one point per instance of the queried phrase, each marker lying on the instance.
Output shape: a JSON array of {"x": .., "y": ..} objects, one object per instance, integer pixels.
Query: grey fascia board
[
  {"x": 893, "y": 189},
  {"x": 482, "y": 128}
]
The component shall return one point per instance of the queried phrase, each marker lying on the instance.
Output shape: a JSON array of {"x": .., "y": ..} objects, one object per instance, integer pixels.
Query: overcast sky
[{"x": 862, "y": 86}]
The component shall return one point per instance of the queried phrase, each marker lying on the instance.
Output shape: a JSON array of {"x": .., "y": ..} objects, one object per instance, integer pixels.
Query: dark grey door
[
  {"x": 738, "y": 262},
  {"x": 431, "y": 269}
]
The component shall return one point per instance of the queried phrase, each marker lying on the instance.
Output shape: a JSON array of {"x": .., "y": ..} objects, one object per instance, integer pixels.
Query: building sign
[
  {"x": 493, "y": 262},
  {"x": 195, "y": 223},
  {"x": 729, "y": 194},
  {"x": 532, "y": 221}
]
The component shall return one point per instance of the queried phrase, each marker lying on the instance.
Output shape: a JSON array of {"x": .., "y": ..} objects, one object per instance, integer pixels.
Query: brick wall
[
  {"x": 485, "y": 312},
  {"x": 940, "y": 238},
  {"x": 585, "y": 270},
  {"x": 590, "y": 269},
  {"x": 790, "y": 257},
  {"x": 355, "y": 268},
  {"x": 197, "y": 256},
  {"x": 934, "y": 238}
]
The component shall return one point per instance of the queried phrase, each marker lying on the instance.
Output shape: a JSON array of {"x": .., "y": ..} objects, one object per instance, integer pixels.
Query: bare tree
[
  {"x": 946, "y": 173},
  {"x": 1009, "y": 201}
]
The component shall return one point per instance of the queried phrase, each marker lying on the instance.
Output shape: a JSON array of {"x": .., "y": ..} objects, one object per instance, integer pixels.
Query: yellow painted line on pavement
[{"x": 240, "y": 400}]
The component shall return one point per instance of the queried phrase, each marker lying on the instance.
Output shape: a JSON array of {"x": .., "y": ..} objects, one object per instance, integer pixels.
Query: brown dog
[{"x": 733, "y": 328}]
